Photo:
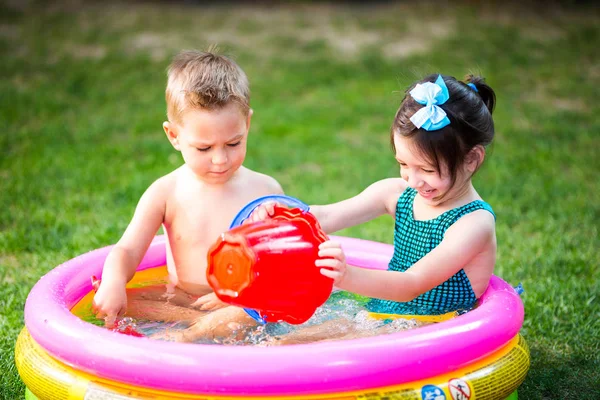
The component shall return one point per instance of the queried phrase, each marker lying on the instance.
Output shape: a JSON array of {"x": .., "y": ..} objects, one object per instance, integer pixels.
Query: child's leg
[
  {"x": 339, "y": 329},
  {"x": 168, "y": 293},
  {"x": 382, "y": 330},
  {"x": 332, "y": 329},
  {"x": 362, "y": 333},
  {"x": 224, "y": 322},
  {"x": 158, "y": 303},
  {"x": 162, "y": 311}
]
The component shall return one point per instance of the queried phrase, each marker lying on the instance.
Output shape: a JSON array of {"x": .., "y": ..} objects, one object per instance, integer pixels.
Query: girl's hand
[
  {"x": 262, "y": 212},
  {"x": 209, "y": 302},
  {"x": 333, "y": 261},
  {"x": 110, "y": 302}
]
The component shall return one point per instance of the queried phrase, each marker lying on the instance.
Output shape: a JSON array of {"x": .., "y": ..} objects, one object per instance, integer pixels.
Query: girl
[{"x": 444, "y": 237}]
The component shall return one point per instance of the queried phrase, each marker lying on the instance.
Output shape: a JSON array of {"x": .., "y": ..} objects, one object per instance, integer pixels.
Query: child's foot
[
  {"x": 270, "y": 342},
  {"x": 167, "y": 336}
]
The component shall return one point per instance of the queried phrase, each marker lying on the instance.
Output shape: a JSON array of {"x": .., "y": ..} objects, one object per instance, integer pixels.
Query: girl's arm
[
  {"x": 377, "y": 199},
  {"x": 470, "y": 236}
]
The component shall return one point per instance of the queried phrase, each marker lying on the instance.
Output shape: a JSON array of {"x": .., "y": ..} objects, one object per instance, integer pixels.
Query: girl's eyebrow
[{"x": 423, "y": 166}]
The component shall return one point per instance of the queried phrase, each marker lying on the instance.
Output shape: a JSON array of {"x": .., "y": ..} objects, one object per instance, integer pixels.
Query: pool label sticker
[
  {"x": 459, "y": 389},
  {"x": 432, "y": 392}
]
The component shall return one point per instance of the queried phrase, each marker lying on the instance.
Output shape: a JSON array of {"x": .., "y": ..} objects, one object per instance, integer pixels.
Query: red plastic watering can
[{"x": 269, "y": 266}]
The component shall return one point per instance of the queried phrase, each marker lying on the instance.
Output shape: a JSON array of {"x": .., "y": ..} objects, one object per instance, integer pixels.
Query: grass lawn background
[{"x": 82, "y": 102}]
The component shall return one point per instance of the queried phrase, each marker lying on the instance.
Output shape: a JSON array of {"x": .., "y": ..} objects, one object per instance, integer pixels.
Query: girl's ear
[
  {"x": 475, "y": 158},
  {"x": 172, "y": 134}
]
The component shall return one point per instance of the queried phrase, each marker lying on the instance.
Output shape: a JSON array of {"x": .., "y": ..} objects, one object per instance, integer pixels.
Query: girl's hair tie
[{"x": 472, "y": 86}]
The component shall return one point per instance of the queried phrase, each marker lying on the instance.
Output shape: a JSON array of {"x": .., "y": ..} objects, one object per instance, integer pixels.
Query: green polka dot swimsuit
[{"x": 412, "y": 241}]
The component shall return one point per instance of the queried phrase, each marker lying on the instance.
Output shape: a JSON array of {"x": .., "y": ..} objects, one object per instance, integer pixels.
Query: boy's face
[{"x": 212, "y": 142}]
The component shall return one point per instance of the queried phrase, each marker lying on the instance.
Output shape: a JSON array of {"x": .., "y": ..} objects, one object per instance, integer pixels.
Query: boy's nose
[{"x": 219, "y": 157}]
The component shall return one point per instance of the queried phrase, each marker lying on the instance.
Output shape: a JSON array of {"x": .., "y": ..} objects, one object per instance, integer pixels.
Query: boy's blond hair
[{"x": 204, "y": 80}]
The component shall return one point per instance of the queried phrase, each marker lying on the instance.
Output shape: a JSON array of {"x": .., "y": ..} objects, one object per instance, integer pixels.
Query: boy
[{"x": 209, "y": 114}]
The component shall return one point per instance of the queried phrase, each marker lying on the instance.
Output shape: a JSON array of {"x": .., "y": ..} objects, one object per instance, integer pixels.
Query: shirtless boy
[{"x": 209, "y": 115}]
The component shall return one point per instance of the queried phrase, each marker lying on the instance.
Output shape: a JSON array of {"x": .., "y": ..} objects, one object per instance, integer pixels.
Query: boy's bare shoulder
[
  {"x": 165, "y": 182},
  {"x": 260, "y": 181},
  {"x": 160, "y": 190}
]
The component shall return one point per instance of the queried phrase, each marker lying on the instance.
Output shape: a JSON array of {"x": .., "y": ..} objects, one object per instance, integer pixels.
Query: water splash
[{"x": 342, "y": 313}]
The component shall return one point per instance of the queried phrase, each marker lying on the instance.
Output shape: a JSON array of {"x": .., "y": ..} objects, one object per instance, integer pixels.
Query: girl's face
[{"x": 433, "y": 186}]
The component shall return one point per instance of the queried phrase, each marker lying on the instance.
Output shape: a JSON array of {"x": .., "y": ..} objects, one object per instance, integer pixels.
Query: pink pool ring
[{"x": 431, "y": 357}]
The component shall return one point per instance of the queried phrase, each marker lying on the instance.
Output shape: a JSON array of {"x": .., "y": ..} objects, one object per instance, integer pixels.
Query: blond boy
[{"x": 209, "y": 117}]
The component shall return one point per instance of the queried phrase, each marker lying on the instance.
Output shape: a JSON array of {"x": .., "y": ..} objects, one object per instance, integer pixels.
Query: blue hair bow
[{"x": 431, "y": 95}]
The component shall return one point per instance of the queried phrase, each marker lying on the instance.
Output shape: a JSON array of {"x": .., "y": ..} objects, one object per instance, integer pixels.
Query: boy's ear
[
  {"x": 172, "y": 134},
  {"x": 475, "y": 158},
  {"x": 250, "y": 112}
]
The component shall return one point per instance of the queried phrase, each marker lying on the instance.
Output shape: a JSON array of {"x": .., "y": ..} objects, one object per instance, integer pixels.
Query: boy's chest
[{"x": 200, "y": 219}]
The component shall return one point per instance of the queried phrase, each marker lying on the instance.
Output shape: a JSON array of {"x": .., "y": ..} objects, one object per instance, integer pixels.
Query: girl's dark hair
[{"x": 471, "y": 123}]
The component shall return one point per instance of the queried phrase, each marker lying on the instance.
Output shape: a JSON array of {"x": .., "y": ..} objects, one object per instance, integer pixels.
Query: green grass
[{"x": 81, "y": 106}]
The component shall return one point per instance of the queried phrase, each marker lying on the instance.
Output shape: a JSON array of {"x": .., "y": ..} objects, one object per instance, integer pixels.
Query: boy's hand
[
  {"x": 208, "y": 302},
  {"x": 262, "y": 212},
  {"x": 332, "y": 261},
  {"x": 110, "y": 301}
]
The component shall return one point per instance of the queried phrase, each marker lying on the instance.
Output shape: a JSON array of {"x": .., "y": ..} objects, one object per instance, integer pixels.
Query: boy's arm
[
  {"x": 468, "y": 237},
  {"x": 149, "y": 214},
  {"x": 377, "y": 199},
  {"x": 122, "y": 261}
]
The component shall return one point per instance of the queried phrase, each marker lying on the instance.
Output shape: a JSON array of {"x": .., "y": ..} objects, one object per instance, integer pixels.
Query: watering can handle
[{"x": 249, "y": 208}]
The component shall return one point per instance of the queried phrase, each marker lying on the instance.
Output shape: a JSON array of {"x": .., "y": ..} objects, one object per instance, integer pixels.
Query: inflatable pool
[{"x": 478, "y": 355}]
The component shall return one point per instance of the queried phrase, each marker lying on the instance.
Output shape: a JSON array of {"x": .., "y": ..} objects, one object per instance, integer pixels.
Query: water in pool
[{"x": 343, "y": 316}]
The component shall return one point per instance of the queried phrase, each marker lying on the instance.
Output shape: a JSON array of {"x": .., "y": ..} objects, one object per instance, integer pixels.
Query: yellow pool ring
[{"x": 496, "y": 376}]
